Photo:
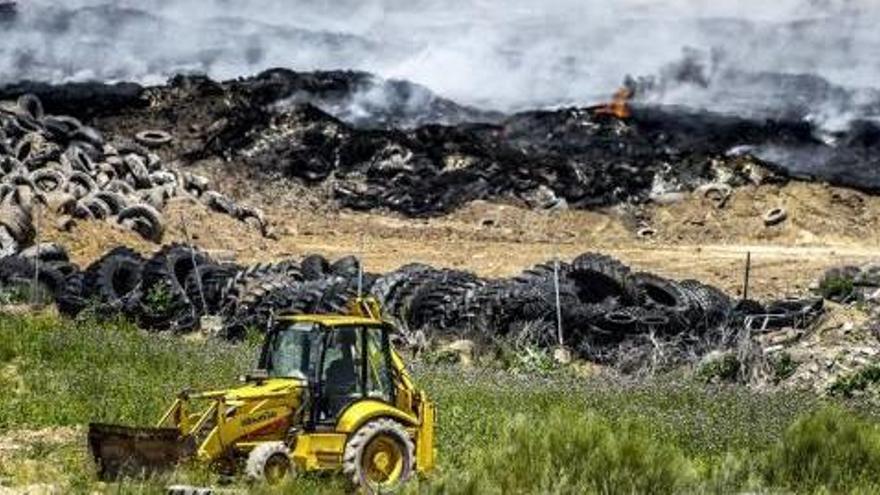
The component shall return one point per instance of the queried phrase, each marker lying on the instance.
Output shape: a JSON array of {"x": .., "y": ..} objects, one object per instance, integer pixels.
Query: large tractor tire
[
  {"x": 164, "y": 304},
  {"x": 269, "y": 463},
  {"x": 72, "y": 299},
  {"x": 599, "y": 277},
  {"x": 669, "y": 298},
  {"x": 113, "y": 279},
  {"x": 379, "y": 457},
  {"x": 543, "y": 271},
  {"x": 314, "y": 267},
  {"x": 143, "y": 219},
  {"x": 715, "y": 307},
  {"x": 205, "y": 285}
]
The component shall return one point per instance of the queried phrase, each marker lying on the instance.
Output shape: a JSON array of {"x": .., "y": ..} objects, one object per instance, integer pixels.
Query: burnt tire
[
  {"x": 48, "y": 179},
  {"x": 153, "y": 138},
  {"x": 113, "y": 280},
  {"x": 92, "y": 207},
  {"x": 18, "y": 222},
  {"x": 314, "y": 267},
  {"x": 143, "y": 219},
  {"x": 115, "y": 202},
  {"x": 220, "y": 203},
  {"x": 31, "y": 106},
  {"x": 599, "y": 277},
  {"x": 80, "y": 184},
  {"x": 71, "y": 300},
  {"x": 205, "y": 284},
  {"x": 163, "y": 300},
  {"x": 137, "y": 170},
  {"x": 347, "y": 266},
  {"x": 46, "y": 252}
]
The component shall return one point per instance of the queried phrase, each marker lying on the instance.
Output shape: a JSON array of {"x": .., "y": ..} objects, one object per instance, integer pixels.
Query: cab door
[
  {"x": 378, "y": 379},
  {"x": 355, "y": 364}
]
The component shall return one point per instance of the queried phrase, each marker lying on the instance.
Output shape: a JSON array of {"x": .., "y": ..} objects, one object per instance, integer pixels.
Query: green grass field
[{"x": 498, "y": 431}]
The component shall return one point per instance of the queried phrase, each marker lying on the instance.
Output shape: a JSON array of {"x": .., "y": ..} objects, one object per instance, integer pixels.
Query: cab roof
[{"x": 331, "y": 320}]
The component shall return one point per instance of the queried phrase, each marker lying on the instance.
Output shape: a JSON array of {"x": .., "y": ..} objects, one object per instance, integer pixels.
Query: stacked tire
[
  {"x": 602, "y": 304},
  {"x": 69, "y": 168}
]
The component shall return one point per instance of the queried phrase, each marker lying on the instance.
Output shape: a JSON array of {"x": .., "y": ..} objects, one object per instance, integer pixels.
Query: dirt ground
[{"x": 693, "y": 239}]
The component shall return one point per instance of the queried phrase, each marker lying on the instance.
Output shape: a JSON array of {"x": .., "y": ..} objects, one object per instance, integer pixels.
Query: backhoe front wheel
[
  {"x": 379, "y": 457},
  {"x": 269, "y": 463}
]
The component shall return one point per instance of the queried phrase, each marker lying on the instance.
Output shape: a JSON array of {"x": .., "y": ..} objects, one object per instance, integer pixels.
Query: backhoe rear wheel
[
  {"x": 379, "y": 457},
  {"x": 269, "y": 463}
]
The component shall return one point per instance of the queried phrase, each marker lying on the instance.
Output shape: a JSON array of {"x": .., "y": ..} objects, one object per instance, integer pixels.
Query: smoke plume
[{"x": 811, "y": 59}]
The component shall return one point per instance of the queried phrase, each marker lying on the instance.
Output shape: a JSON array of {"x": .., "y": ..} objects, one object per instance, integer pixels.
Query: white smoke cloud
[{"x": 507, "y": 55}]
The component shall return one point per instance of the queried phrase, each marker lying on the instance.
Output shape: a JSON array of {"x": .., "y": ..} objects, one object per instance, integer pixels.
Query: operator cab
[{"x": 343, "y": 362}]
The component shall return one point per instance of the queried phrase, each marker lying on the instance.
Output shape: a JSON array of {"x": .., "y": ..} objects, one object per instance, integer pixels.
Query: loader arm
[{"x": 261, "y": 411}]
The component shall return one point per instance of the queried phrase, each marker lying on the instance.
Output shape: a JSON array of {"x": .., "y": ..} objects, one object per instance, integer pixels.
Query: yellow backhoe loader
[{"x": 329, "y": 393}]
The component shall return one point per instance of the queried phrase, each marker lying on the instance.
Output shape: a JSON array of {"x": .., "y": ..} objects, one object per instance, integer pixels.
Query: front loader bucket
[{"x": 121, "y": 451}]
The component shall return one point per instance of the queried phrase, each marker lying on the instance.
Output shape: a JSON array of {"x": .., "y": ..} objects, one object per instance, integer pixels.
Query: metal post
[
  {"x": 36, "y": 280},
  {"x": 558, "y": 305},
  {"x": 748, "y": 272},
  {"x": 361, "y": 268},
  {"x": 192, "y": 255}
]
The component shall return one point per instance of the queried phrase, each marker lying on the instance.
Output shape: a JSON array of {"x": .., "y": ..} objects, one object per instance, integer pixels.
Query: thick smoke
[{"x": 811, "y": 59}]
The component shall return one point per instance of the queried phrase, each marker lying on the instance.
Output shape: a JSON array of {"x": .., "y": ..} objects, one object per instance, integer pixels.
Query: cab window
[
  {"x": 292, "y": 352},
  {"x": 378, "y": 372},
  {"x": 341, "y": 370}
]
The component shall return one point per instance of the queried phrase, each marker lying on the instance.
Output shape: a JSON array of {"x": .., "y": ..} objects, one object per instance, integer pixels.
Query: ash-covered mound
[{"x": 382, "y": 154}]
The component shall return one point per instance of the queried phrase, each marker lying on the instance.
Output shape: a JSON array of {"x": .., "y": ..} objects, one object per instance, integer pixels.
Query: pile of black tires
[
  {"x": 602, "y": 303},
  {"x": 59, "y": 163},
  {"x": 605, "y": 313}
]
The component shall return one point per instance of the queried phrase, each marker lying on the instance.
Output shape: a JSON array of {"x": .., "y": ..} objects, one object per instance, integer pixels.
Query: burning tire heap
[
  {"x": 605, "y": 309},
  {"x": 574, "y": 158},
  {"x": 67, "y": 167}
]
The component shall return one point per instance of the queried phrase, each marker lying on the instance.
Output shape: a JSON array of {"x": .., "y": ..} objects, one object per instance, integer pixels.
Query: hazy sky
[{"x": 502, "y": 55}]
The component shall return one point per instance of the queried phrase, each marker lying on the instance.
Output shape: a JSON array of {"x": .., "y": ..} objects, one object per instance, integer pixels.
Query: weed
[
  {"x": 555, "y": 452},
  {"x": 783, "y": 367},
  {"x": 848, "y": 386},
  {"x": 831, "y": 450},
  {"x": 158, "y": 299},
  {"x": 723, "y": 368},
  {"x": 836, "y": 288}
]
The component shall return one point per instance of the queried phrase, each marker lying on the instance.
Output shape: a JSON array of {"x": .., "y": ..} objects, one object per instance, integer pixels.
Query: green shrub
[
  {"x": 724, "y": 368},
  {"x": 558, "y": 452},
  {"x": 829, "y": 450},
  {"x": 861, "y": 380},
  {"x": 783, "y": 367},
  {"x": 836, "y": 288},
  {"x": 158, "y": 298}
]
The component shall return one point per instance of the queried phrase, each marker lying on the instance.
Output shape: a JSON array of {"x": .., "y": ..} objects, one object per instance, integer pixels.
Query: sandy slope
[{"x": 694, "y": 239}]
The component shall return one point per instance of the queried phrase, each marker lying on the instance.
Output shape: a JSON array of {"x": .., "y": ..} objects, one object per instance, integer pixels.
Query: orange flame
[{"x": 619, "y": 105}]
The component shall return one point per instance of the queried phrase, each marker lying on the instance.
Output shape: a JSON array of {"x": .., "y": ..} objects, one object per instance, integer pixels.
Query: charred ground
[{"x": 423, "y": 155}]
